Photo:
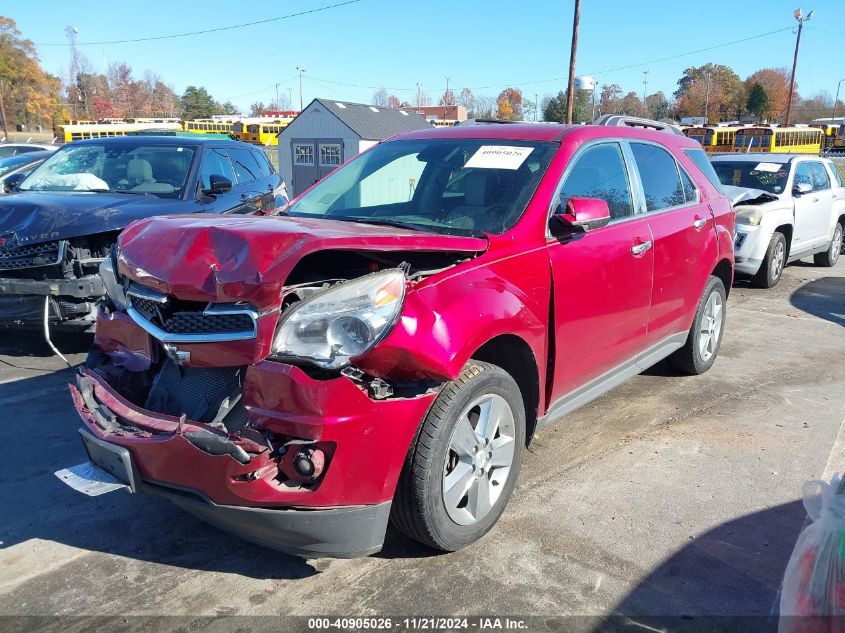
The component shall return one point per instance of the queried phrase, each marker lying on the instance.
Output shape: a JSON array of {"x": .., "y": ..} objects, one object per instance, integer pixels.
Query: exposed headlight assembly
[
  {"x": 344, "y": 321},
  {"x": 114, "y": 289},
  {"x": 749, "y": 215}
]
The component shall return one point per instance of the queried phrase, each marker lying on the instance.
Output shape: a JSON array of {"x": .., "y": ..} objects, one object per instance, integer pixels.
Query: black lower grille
[
  {"x": 30, "y": 256},
  {"x": 196, "y": 322},
  {"x": 197, "y": 392}
]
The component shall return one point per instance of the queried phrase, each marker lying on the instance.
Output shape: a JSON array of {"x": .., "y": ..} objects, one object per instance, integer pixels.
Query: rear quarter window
[{"x": 699, "y": 157}]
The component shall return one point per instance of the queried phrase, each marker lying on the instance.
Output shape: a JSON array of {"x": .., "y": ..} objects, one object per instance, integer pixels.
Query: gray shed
[{"x": 327, "y": 133}]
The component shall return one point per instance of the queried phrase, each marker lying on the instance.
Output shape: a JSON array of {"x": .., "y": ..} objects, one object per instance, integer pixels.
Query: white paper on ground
[
  {"x": 772, "y": 167},
  {"x": 90, "y": 480},
  {"x": 499, "y": 157}
]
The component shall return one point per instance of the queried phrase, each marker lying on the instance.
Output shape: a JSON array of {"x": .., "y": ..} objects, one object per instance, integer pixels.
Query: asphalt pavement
[{"x": 669, "y": 496}]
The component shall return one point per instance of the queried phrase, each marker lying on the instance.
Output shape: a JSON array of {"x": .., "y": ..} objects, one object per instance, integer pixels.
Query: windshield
[
  {"x": 142, "y": 167},
  {"x": 753, "y": 174},
  {"x": 459, "y": 186}
]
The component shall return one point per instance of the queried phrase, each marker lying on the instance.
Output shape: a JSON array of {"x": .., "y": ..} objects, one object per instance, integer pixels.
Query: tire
[
  {"x": 421, "y": 508},
  {"x": 831, "y": 255},
  {"x": 771, "y": 270},
  {"x": 696, "y": 357}
]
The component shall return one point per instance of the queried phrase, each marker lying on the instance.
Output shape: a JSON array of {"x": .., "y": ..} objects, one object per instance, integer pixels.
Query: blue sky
[{"x": 484, "y": 45}]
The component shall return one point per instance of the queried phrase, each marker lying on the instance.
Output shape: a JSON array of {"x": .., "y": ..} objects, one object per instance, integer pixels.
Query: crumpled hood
[
  {"x": 243, "y": 258},
  {"x": 738, "y": 195},
  {"x": 32, "y": 217}
]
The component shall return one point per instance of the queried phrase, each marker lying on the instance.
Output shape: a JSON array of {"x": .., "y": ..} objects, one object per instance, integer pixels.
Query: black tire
[
  {"x": 766, "y": 277},
  {"x": 831, "y": 255},
  {"x": 689, "y": 358},
  {"x": 419, "y": 509}
]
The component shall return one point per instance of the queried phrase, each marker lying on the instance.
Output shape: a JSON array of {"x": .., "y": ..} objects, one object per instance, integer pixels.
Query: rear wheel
[
  {"x": 705, "y": 337},
  {"x": 831, "y": 255},
  {"x": 773, "y": 263},
  {"x": 460, "y": 472}
]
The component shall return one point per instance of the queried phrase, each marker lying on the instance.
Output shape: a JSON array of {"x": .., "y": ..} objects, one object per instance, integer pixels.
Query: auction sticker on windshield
[{"x": 499, "y": 157}]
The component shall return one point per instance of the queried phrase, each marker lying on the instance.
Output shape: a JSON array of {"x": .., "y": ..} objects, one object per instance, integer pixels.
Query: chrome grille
[
  {"x": 170, "y": 319},
  {"x": 32, "y": 255}
]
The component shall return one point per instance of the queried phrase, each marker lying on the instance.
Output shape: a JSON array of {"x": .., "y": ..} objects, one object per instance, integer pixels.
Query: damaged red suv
[{"x": 384, "y": 350}]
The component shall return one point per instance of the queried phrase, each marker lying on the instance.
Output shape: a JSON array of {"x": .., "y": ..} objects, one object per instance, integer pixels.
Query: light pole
[
  {"x": 835, "y": 99},
  {"x": 801, "y": 19},
  {"x": 301, "y": 70},
  {"x": 645, "y": 85}
]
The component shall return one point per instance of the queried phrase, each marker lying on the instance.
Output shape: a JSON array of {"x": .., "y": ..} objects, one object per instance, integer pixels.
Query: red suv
[{"x": 385, "y": 348}]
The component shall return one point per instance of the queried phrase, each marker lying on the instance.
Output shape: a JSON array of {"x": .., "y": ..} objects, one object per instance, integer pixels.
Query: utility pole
[
  {"x": 73, "y": 71},
  {"x": 277, "y": 97},
  {"x": 446, "y": 94},
  {"x": 707, "y": 98},
  {"x": 832, "y": 116},
  {"x": 536, "y": 105},
  {"x": 301, "y": 70},
  {"x": 3, "y": 115},
  {"x": 570, "y": 90},
  {"x": 801, "y": 19},
  {"x": 645, "y": 84},
  {"x": 418, "y": 97}
]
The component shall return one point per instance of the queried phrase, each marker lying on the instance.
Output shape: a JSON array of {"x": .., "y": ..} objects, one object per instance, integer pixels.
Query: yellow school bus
[
  {"x": 788, "y": 140},
  {"x": 207, "y": 126},
  {"x": 714, "y": 138},
  {"x": 265, "y": 133},
  {"x": 830, "y": 133},
  {"x": 77, "y": 132}
]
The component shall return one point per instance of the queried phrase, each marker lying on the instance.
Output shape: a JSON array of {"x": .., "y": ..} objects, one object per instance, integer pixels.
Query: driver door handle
[
  {"x": 699, "y": 222},
  {"x": 642, "y": 247}
]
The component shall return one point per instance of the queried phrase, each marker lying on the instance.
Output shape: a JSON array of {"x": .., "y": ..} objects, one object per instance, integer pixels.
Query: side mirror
[
  {"x": 11, "y": 183},
  {"x": 585, "y": 214},
  {"x": 801, "y": 188},
  {"x": 218, "y": 185}
]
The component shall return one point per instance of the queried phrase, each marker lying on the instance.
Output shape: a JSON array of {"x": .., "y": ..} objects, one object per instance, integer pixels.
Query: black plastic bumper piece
[
  {"x": 333, "y": 533},
  {"x": 89, "y": 287}
]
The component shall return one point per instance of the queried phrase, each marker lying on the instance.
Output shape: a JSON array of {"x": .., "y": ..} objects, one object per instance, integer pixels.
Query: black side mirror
[
  {"x": 11, "y": 183},
  {"x": 218, "y": 185}
]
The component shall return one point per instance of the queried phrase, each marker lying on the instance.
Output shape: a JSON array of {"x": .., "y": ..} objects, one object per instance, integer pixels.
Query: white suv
[{"x": 788, "y": 207}]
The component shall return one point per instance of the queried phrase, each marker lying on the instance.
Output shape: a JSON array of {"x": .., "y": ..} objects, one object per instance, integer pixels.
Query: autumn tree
[
  {"x": 448, "y": 98},
  {"x": 711, "y": 87},
  {"x": 610, "y": 100},
  {"x": 758, "y": 101},
  {"x": 256, "y": 109},
  {"x": 394, "y": 102},
  {"x": 28, "y": 95},
  {"x": 380, "y": 98},
  {"x": 775, "y": 83},
  {"x": 509, "y": 105}
]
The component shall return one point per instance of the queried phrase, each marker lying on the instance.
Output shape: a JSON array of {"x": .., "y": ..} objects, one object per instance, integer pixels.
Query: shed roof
[{"x": 372, "y": 123}]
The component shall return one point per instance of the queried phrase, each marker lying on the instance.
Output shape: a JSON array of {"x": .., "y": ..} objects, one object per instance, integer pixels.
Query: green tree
[
  {"x": 554, "y": 108},
  {"x": 198, "y": 104},
  {"x": 758, "y": 101}
]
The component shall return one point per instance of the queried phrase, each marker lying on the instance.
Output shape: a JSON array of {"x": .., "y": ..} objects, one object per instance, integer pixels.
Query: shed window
[
  {"x": 330, "y": 154},
  {"x": 303, "y": 154}
]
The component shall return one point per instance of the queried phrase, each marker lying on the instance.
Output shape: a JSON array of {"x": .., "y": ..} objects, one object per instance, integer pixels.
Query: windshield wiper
[
  {"x": 132, "y": 193},
  {"x": 380, "y": 222}
]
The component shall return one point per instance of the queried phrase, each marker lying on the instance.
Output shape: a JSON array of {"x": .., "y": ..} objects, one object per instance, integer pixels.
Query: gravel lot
[{"x": 671, "y": 495}]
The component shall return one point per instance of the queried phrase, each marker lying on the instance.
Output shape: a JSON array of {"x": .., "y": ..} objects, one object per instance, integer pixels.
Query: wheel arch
[
  {"x": 787, "y": 231},
  {"x": 514, "y": 355},
  {"x": 724, "y": 270}
]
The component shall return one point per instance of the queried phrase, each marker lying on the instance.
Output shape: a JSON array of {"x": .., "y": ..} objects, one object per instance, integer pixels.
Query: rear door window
[
  {"x": 659, "y": 176},
  {"x": 600, "y": 173},
  {"x": 245, "y": 164},
  {"x": 699, "y": 157}
]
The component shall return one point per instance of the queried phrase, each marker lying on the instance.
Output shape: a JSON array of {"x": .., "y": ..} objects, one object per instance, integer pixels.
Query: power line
[
  {"x": 264, "y": 89},
  {"x": 214, "y": 30}
]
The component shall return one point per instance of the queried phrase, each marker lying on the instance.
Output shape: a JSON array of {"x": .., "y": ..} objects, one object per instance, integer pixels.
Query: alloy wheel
[
  {"x": 836, "y": 245},
  {"x": 711, "y": 326},
  {"x": 777, "y": 261},
  {"x": 479, "y": 459}
]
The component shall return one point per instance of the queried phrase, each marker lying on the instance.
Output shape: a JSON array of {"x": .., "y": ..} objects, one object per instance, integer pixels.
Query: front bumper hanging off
[{"x": 344, "y": 516}]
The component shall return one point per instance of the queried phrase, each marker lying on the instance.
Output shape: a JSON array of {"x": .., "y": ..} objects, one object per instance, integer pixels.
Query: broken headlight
[
  {"x": 342, "y": 322},
  {"x": 749, "y": 215},
  {"x": 114, "y": 290}
]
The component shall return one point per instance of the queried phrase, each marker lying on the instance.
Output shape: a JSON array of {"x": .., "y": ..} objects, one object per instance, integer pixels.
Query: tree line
[{"x": 713, "y": 91}]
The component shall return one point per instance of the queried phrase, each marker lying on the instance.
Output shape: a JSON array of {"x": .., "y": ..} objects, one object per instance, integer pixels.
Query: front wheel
[
  {"x": 460, "y": 472},
  {"x": 831, "y": 255},
  {"x": 772, "y": 267},
  {"x": 705, "y": 336}
]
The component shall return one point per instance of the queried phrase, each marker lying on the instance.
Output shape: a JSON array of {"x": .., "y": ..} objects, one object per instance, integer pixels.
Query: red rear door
[{"x": 685, "y": 247}]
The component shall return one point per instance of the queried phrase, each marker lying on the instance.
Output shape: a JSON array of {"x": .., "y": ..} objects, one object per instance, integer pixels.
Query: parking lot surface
[{"x": 670, "y": 495}]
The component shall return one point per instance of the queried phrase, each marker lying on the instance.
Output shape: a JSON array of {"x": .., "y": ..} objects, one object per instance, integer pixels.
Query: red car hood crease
[{"x": 227, "y": 259}]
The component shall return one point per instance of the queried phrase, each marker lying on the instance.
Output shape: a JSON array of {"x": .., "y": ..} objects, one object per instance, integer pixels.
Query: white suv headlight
[
  {"x": 749, "y": 215},
  {"x": 344, "y": 321}
]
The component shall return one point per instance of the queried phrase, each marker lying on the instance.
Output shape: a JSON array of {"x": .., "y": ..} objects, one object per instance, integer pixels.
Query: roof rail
[
  {"x": 635, "y": 121},
  {"x": 480, "y": 121}
]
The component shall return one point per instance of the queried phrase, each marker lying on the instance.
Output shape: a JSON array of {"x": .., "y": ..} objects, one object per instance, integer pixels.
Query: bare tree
[{"x": 380, "y": 98}]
